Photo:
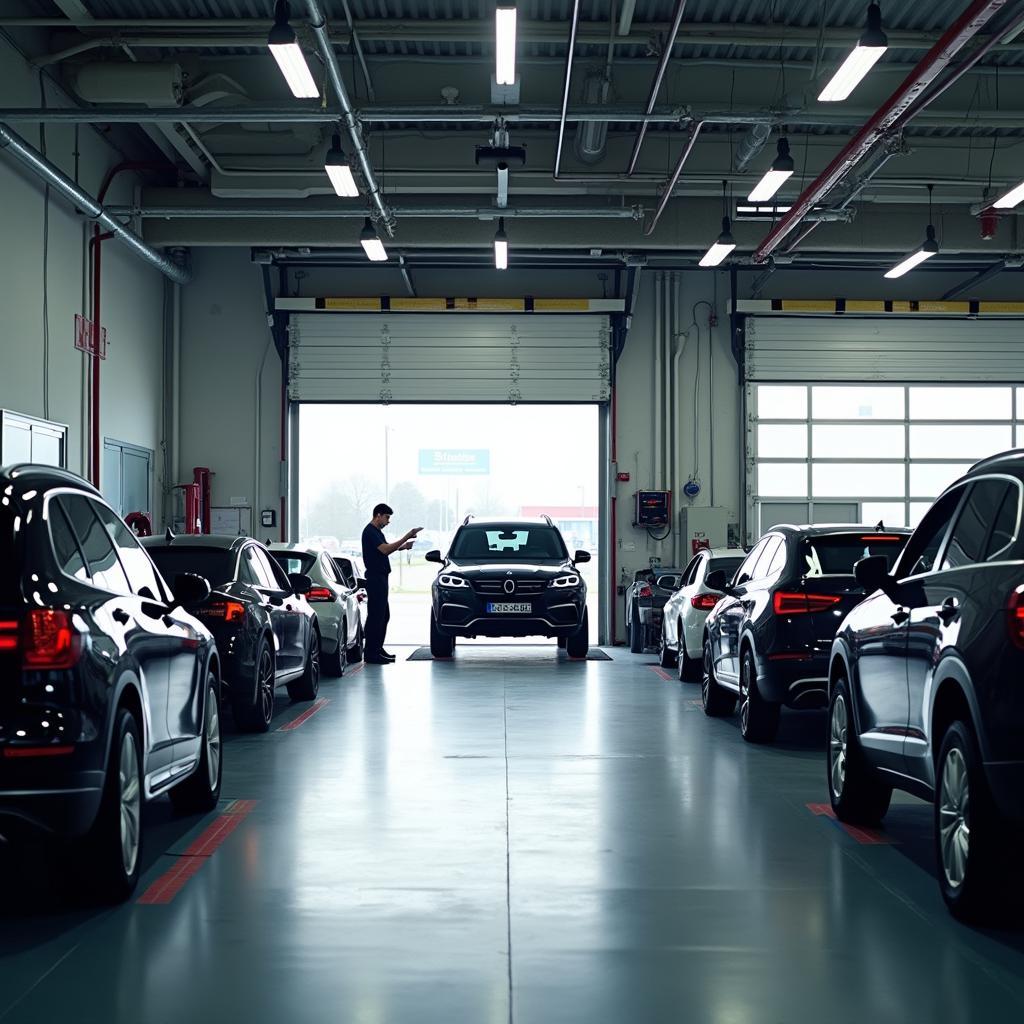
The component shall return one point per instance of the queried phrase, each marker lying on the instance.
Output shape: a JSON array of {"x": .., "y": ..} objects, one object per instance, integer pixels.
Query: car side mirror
[
  {"x": 434, "y": 556},
  {"x": 581, "y": 556},
  {"x": 873, "y": 573},
  {"x": 190, "y": 589},
  {"x": 301, "y": 582},
  {"x": 718, "y": 580},
  {"x": 360, "y": 583}
]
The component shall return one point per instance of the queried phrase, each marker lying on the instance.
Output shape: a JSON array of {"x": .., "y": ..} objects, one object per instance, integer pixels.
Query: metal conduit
[
  {"x": 234, "y": 212},
  {"x": 567, "y": 84},
  {"x": 55, "y": 177},
  {"x": 318, "y": 23},
  {"x": 671, "y": 183}
]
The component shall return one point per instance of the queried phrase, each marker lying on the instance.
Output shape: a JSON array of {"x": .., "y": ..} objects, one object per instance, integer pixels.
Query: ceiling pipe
[
  {"x": 318, "y": 23},
  {"x": 980, "y": 278},
  {"x": 236, "y": 211},
  {"x": 358, "y": 47},
  {"x": 566, "y": 85},
  {"x": 960, "y": 33},
  {"x": 14, "y": 144},
  {"x": 666, "y": 195},
  {"x": 666, "y": 56}
]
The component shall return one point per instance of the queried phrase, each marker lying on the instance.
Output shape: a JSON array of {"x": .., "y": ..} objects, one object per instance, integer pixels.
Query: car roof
[
  {"x": 817, "y": 529},
  {"x": 302, "y": 549},
  {"x": 725, "y": 552},
  {"x": 38, "y": 475},
  {"x": 215, "y": 541},
  {"x": 508, "y": 521},
  {"x": 1011, "y": 461}
]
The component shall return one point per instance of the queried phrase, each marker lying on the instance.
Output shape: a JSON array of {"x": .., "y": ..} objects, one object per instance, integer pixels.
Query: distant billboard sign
[{"x": 455, "y": 461}]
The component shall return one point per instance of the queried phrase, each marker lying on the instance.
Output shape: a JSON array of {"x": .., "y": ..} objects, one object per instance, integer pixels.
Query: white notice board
[{"x": 234, "y": 521}]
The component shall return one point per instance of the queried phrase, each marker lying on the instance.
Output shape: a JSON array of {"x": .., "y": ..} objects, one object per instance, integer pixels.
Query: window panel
[
  {"x": 923, "y": 547},
  {"x": 141, "y": 574},
  {"x": 891, "y": 513},
  {"x": 1004, "y": 528},
  {"x": 984, "y": 403},
  {"x": 782, "y": 441},
  {"x": 845, "y": 479},
  {"x": 856, "y": 402},
  {"x": 782, "y": 479},
  {"x": 929, "y": 480},
  {"x": 967, "y": 542},
  {"x": 105, "y": 569},
  {"x": 781, "y": 402},
  {"x": 855, "y": 441},
  {"x": 969, "y": 441},
  {"x": 760, "y": 570}
]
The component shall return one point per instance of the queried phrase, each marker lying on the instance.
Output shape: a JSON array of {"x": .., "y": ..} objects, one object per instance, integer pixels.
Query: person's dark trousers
[{"x": 378, "y": 614}]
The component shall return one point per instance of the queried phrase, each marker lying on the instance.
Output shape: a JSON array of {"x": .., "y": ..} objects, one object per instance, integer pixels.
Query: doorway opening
[{"x": 436, "y": 464}]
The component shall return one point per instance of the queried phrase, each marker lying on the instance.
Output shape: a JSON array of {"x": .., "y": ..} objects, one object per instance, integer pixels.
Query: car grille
[{"x": 498, "y": 586}]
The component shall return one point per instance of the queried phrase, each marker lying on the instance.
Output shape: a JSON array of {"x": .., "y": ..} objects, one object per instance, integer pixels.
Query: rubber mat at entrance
[{"x": 423, "y": 653}]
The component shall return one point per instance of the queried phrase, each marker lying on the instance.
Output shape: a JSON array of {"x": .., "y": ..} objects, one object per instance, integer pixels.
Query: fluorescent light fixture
[
  {"x": 781, "y": 169},
  {"x": 722, "y": 247},
  {"x": 339, "y": 172},
  {"x": 371, "y": 243},
  {"x": 505, "y": 44},
  {"x": 288, "y": 54},
  {"x": 501, "y": 246},
  {"x": 870, "y": 47},
  {"x": 1011, "y": 199},
  {"x": 929, "y": 249}
]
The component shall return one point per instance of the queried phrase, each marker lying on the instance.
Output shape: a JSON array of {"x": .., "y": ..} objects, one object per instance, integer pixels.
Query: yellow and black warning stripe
[
  {"x": 468, "y": 304},
  {"x": 875, "y": 306}
]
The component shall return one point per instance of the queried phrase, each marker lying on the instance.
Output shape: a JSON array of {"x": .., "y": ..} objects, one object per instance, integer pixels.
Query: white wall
[{"x": 132, "y": 304}]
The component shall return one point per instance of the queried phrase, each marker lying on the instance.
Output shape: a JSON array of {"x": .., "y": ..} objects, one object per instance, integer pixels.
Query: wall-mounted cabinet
[{"x": 30, "y": 439}]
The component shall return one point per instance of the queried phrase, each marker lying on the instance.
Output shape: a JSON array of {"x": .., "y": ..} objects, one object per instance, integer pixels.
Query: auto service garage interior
[{"x": 686, "y": 286}]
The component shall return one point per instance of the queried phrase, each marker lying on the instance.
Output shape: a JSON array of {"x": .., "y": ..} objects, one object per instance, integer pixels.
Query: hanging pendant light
[
  {"x": 338, "y": 170},
  {"x": 371, "y": 243},
  {"x": 870, "y": 47},
  {"x": 775, "y": 177},
  {"x": 284, "y": 47},
  {"x": 505, "y": 42},
  {"x": 725, "y": 243},
  {"x": 501, "y": 246},
  {"x": 918, "y": 256}
]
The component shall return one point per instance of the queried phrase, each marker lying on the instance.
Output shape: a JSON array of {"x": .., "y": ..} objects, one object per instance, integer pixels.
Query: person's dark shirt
[{"x": 375, "y": 562}]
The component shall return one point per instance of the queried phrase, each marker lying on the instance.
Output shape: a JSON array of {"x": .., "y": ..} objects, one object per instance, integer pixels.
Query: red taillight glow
[
  {"x": 1015, "y": 618},
  {"x": 885, "y": 537},
  {"x": 38, "y": 751},
  {"x": 705, "y": 602},
  {"x": 790, "y": 603},
  {"x": 229, "y": 611},
  {"x": 320, "y": 594},
  {"x": 49, "y": 640},
  {"x": 645, "y": 591},
  {"x": 9, "y": 634}
]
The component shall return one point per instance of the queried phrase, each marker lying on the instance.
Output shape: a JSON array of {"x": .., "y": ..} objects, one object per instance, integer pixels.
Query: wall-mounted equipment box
[
  {"x": 705, "y": 527},
  {"x": 652, "y": 510}
]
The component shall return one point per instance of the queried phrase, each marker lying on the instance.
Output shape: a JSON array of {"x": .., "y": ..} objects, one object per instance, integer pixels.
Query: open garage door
[
  {"x": 404, "y": 357},
  {"x": 869, "y": 419}
]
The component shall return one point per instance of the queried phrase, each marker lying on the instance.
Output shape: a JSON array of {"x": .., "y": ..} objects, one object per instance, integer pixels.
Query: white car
[
  {"x": 337, "y": 601},
  {"x": 682, "y": 623}
]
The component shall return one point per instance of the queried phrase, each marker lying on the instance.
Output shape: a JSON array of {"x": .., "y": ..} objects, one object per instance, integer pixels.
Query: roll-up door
[
  {"x": 844, "y": 348},
  {"x": 437, "y": 358}
]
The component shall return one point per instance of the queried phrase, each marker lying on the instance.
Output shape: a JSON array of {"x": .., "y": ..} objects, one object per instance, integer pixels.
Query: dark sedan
[
  {"x": 926, "y": 690},
  {"x": 110, "y": 690},
  {"x": 767, "y": 642},
  {"x": 266, "y": 630},
  {"x": 645, "y": 606}
]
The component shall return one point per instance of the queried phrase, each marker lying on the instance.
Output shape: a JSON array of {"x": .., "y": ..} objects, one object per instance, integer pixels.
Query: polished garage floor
[{"x": 507, "y": 837}]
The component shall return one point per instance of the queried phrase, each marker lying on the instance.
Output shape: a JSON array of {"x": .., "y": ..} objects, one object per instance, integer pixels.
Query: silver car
[
  {"x": 682, "y": 623},
  {"x": 336, "y": 597}
]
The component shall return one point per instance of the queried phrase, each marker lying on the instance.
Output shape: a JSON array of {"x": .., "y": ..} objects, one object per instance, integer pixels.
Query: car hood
[{"x": 489, "y": 570}]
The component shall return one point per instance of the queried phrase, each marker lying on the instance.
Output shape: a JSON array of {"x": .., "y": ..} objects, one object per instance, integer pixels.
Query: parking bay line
[
  {"x": 658, "y": 670},
  {"x": 318, "y": 705},
  {"x": 171, "y": 882},
  {"x": 864, "y": 836}
]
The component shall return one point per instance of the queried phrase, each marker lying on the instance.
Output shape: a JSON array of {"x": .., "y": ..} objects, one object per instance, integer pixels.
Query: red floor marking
[
  {"x": 355, "y": 668},
  {"x": 864, "y": 836},
  {"x": 660, "y": 671},
  {"x": 306, "y": 715},
  {"x": 169, "y": 884}
]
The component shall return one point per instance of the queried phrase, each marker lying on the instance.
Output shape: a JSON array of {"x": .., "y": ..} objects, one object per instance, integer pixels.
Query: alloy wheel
[
  {"x": 314, "y": 658},
  {"x": 745, "y": 686},
  {"x": 212, "y": 738},
  {"x": 131, "y": 802},
  {"x": 954, "y": 818},
  {"x": 266, "y": 685},
  {"x": 837, "y": 746}
]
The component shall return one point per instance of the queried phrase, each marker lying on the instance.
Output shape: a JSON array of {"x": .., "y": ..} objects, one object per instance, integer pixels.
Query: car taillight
[
  {"x": 705, "y": 602},
  {"x": 229, "y": 611},
  {"x": 49, "y": 640},
  {"x": 1015, "y": 617},
  {"x": 9, "y": 634},
  {"x": 645, "y": 591},
  {"x": 320, "y": 594},
  {"x": 789, "y": 603}
]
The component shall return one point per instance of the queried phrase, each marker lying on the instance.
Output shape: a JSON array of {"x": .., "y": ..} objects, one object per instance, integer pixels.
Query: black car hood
[{"x": 489, "y": 570}]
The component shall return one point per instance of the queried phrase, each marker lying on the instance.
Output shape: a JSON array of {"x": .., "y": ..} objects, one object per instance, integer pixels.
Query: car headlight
[
  {"x": 564, "y": 582},
  {"x": 452, "y": 581}
]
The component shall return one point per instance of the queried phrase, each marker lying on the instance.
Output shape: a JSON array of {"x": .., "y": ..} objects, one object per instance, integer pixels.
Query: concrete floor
[{"x": 507, "y": 837}]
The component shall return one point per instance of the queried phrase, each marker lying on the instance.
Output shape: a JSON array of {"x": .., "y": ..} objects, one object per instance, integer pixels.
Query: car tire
[
  {"x": 577, "y": 644},
  {"x": 636, "y": 632},
  {"x": 442, "y": 645},
  {"x": 666, "y": 656},
  {"x": 254, "y": 709},
  {"x": 355, "y": 652},
  {"x": 307, "y": 686},
  {"x": 717, "y": 701},
  {"x": 972, "y": 847},
  {"x": 858, "y": 796},
  {"x": 199, "y": 793},
  {"x": 759, "y": 718},
  {"x": 112, "y": 849},
  {"x": 336, "y": 663}
]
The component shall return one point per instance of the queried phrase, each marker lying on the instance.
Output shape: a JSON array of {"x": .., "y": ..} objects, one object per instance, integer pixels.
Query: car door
[
  {"x": 675, "y": 606},
  {"x": 942, "y": 609},
  {"x": 730, "y": 612},
  {"x": 345, "y": 594},
  {"x": 255, "y": 571},
  {"x": 142, "y": 639},
  {"x": 285, "y": 610}
]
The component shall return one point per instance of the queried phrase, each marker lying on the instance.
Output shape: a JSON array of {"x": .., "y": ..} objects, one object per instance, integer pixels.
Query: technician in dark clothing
[{"x": 377, "y": 562}]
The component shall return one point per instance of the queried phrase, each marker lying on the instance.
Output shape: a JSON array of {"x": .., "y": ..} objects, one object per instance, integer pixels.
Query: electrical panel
[
  {"x": 705, "y": 527},
  {"x": 652, "y": 510}
]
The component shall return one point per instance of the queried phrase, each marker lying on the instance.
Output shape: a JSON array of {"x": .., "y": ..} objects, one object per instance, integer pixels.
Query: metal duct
[
  {"x": 154, "y": 85},
  {"x": 592, "y": 136},
  {"x": 751, "y": 144},
  {"x": 236, "y": 211},
  {"x": 56, "y": 178}
]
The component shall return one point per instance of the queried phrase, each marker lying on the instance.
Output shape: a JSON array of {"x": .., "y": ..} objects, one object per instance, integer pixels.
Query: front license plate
[{"x": 509, "y": 608}]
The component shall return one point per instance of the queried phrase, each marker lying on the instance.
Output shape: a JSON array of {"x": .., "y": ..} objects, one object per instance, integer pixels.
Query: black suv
[
  {"x": 927, "y": 685},
  {"x": 767, "y": 642},
  {"x": 110, "y": 690},
  {"x": 507, "y": 577}
]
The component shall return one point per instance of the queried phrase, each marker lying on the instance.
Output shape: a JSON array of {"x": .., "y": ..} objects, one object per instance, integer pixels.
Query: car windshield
[
  {"x": 727, "y": 565},
  {"x": 216, "y": 565},
  {"x": 836, "y": 554},
  {"x": 514, "y": 542},
  {"x": 294, "y": 561}
]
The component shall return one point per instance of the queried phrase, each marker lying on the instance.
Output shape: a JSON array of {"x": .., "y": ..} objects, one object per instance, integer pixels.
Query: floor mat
[{"x": 490, "y": 650}]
